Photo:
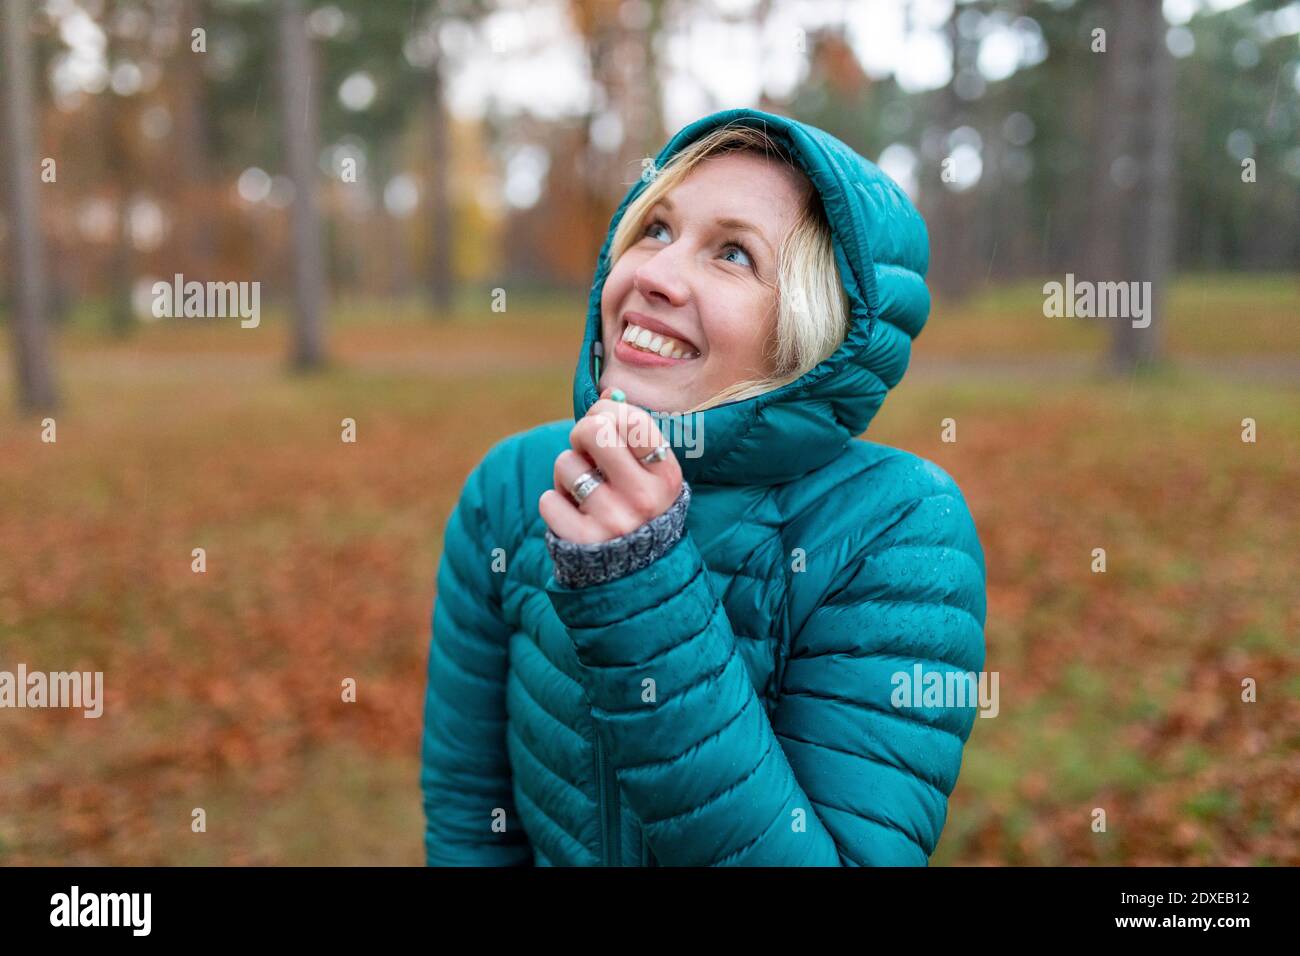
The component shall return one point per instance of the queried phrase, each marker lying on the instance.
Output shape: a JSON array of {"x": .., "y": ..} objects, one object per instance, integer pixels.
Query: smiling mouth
[{"x": 656, "y": 343}]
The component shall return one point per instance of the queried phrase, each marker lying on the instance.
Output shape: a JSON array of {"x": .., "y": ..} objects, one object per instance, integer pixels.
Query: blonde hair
[{"x": 812, "y": 306}]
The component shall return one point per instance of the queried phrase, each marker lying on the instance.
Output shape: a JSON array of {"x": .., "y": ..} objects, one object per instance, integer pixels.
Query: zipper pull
[{"x": 597, "y": 353}]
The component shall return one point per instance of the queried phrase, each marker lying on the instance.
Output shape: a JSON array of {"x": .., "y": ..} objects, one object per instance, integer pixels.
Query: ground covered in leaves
[{"x": 1119, "y": 691}]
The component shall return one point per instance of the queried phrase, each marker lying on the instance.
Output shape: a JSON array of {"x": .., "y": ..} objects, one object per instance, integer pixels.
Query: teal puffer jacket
[{"x": 733, "y": 702}]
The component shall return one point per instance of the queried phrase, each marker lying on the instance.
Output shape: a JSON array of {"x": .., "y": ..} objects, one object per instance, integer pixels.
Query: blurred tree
[
  {"x": 194, "y": 142},
  {"x": 118, "y": 139},
  {"x": 298, "y": 84},
  {"x": 954, "y": 230},
  {"x": 1238, "y": 163},
  {"x": 1132, "y": 233},
  {"x": 174, "y": 145},
  {"x": 1045, "y": 201},
  {"x": 620, "y": 43},
  {"x": 34, "y": 374},
  {"x": 441, "y": 288},
  {"x": 393, "y": 53}
]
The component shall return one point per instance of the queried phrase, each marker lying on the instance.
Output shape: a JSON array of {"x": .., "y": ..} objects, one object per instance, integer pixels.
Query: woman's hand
[{"x": 612, "y": 436}]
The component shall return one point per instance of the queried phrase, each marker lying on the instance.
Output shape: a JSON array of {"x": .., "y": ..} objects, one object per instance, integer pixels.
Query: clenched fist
[{"x": 612, "y": 436}]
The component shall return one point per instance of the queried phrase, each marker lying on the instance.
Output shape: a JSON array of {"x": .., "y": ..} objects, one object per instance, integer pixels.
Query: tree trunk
[
  {"x": 440, "y": 273},
  {"x": 950, "y": 214},
  {"x": 34, "y": 375},
  {"x": 302, "y": 137},
  {"x": 1133, "y": 237},
  {"x": 196, "y": 213},
  {"x": 120, "y": 166}
]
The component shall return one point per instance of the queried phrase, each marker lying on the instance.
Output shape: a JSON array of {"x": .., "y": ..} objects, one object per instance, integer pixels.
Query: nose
[{"x": 660, "y": 278}]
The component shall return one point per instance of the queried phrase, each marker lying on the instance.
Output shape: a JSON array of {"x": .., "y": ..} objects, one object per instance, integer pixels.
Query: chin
[{"x": 637, "y": 393}]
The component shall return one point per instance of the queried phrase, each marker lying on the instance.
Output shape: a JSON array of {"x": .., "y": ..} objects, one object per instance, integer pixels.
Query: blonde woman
[{"x": 673, "y": 631}]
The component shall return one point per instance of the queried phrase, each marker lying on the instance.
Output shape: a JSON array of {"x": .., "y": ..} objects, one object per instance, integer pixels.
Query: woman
[{"x": 679, "y": 641}]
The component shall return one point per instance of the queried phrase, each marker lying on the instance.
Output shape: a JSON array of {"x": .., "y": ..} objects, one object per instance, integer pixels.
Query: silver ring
[
  {"x": 585, "y": 484},
  {"x": 659, "y": 454}
]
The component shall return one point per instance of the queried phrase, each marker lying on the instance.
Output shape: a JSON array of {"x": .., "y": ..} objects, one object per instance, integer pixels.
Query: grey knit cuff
[{"x": 581, "y": 565}]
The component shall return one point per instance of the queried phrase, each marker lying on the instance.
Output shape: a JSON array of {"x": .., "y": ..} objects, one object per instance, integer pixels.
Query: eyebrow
[{"x": 738, "y": 224}]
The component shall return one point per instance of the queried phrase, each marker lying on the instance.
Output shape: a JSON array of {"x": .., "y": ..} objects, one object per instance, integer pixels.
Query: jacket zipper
[{"x": 611, "y": 851}]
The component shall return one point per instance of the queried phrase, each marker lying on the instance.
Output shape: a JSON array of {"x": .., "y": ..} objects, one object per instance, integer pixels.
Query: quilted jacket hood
[{"x": 882, "y": 252}]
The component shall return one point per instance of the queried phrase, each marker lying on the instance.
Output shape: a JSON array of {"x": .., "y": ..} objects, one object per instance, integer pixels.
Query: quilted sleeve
[
  {"x": 465, "y": 773},
  {"x": 837, "y": 776}
]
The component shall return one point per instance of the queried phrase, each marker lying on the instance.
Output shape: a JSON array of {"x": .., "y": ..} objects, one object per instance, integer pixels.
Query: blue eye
[
  {"x": 749, "y": 260},
  {"x": 741, "y": 249}
]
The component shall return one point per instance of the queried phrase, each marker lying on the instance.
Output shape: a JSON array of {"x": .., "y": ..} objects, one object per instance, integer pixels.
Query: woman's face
[{"x": 702, "y": 271}]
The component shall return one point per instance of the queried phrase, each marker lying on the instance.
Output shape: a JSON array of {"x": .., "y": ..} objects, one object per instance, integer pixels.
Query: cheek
[
  {"x": 739, "y": 335},
  {"x": 617, "y": 285}
]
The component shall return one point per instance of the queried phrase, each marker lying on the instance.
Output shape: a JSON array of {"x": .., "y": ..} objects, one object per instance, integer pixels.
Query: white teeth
[{"x": 664, "y": 345}]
